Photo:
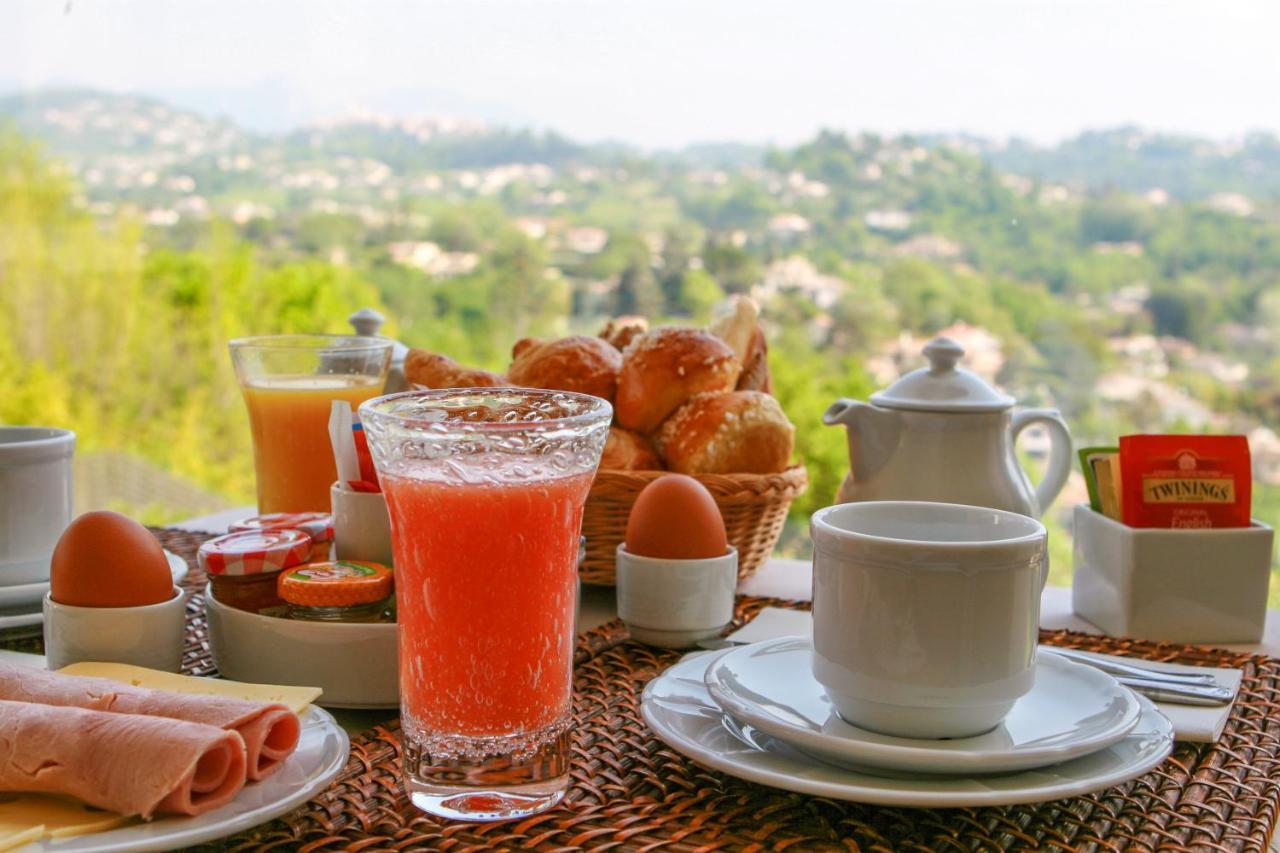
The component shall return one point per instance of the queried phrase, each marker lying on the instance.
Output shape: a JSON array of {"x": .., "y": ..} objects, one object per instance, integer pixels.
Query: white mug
[
  {"x": 925, "y": 615},
  {"x": 35, "y": 499}
]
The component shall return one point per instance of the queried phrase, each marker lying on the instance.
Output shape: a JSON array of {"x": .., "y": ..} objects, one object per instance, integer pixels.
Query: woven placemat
[{"x": 631, "y": 791}]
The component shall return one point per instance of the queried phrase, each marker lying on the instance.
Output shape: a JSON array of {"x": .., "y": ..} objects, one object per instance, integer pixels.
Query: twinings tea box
[{"x": 1185, "y": 481}]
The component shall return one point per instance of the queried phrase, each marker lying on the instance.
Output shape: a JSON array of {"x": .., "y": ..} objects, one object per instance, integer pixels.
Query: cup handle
[{"x": 1059, "y": 454}]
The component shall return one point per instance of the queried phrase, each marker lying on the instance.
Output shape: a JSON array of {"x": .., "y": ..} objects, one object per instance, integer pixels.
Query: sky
[{"x": 663, "y": 73}]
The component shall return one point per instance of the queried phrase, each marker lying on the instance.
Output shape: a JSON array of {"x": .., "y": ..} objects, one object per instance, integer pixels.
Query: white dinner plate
[
  {"x": 1072, "y": 710},
  {"x": 677, "y": 706},
  {"x": 321, "y": 753},
  {"x": 20, "y": 604}
]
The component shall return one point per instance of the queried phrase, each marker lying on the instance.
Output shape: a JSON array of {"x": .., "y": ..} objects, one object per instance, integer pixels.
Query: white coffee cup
[
  {"x": 35, "y": 499},
  {"x": 925, "y": 615}
]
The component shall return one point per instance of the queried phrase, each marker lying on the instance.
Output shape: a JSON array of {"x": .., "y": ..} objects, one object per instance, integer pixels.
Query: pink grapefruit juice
[{"x": 486, "y": 593}]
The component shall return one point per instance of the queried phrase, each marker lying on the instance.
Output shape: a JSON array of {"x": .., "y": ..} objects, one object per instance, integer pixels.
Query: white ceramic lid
[{"x": 942, "y": 386}]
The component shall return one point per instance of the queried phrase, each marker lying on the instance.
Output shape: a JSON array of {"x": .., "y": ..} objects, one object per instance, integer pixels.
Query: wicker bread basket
[{"x": 754, "y": 507}]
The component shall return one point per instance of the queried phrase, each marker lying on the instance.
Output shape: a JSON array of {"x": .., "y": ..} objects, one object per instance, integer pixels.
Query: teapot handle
[{"x": 1059, "y": 455}]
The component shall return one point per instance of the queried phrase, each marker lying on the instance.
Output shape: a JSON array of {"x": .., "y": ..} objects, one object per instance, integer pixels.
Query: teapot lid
[{"x": 943, "y": 387}]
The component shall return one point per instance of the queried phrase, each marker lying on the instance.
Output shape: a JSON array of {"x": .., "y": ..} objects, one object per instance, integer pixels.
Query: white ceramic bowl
[
  {"x": 354, "y": 663},
  {"x": 150, "y": 636}
]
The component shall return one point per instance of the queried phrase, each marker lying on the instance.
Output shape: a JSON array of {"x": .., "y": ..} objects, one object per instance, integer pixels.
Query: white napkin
[{"x": 1192, "y": 723}]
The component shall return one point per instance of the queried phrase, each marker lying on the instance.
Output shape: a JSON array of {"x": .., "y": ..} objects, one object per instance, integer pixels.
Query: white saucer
[
  {"x": 1071, "y": 711},
  {"x": 677, "y": 706},
  {"x": 20, "y": 604}
]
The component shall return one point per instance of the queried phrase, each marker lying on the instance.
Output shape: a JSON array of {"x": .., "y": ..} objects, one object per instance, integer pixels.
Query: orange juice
[
  {"x": 486, "y": 591},
  {"x": 289, "y": 416}
]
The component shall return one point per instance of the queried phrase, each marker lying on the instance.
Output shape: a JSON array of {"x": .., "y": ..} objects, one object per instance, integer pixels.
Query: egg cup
[
  {"x": 149, "y": 635},
  {"x": 675, "y": 603}
]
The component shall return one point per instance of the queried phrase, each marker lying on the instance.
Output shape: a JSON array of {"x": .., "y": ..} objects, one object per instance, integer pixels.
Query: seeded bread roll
[
  {"x": 664, "y": 368},
  {"x": 735, "y": 432},
  {"x": 433, "y": 370},
  {"x": 628, "y": 451},
  {"x": 621, "y": 331},
  {"x": 578, "y": 363}
]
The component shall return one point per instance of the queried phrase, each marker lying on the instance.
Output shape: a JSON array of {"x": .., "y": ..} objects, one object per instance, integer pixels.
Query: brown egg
[
  {"x": 675, "y": 518},
  {"x": 107, "y": 560}
]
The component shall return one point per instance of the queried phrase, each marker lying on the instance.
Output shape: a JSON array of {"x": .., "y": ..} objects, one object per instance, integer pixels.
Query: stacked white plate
[
  {"x": 757, "y": 713},
  {"x": 20, "y": 604}
]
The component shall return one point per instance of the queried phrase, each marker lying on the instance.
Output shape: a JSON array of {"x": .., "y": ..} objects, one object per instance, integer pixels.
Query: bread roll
[
  {"x": 736, "y": 432},
  {"x": 628, "y": 451},
  {"x": 621, "y": 331},
  {"x": 433, "y": 370},
  {"x": 755, "y": 370},
  {"x": 735, "y": 322},
  {"x": 578, "y": 363},
  {"x": 664, "y": 368}
]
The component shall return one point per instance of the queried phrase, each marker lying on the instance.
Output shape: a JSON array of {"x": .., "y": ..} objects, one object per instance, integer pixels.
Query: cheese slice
[
  {"x": 13, "y": 837},
  {"x": 30, "y": 817},
  {"x": 296, "y": 698}
]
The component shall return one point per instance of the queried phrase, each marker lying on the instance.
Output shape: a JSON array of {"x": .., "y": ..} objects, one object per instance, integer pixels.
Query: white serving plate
[
  {"x": 677, "y": 706},
  {"x": 1072, "y": 710},
  {"x": 356, "y": 664},
  {"x": 322, "y": 751},
  {"x": 20, "y": 604}
]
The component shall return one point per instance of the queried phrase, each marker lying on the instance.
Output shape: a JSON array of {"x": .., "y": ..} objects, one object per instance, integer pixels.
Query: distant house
[
  {"x": 431, "y": 259},
  {"x": 798, "y": 273},
  {"x": 887, "y": 220},
  {"x": 586, "y": 240},
  {"x": 1233, "y": 204},
  {"x": 930, "y": 246},
  {"x": 983, "y": 353},
  {"x": 788, "y": 226}
]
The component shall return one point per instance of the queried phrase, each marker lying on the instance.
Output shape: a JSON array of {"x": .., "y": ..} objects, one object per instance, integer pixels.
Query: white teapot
[{"x": 943, "y": 434}]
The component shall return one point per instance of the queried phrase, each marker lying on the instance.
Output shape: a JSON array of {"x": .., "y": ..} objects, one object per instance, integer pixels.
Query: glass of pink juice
[{"x": 486, "y": 489}]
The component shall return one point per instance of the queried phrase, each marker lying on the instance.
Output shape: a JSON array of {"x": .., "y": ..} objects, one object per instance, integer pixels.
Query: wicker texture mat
[{"x": 631, "y": 791}]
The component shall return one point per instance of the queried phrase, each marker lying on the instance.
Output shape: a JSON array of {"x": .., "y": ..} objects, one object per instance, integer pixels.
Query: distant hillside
[
  {"x": 83, "y": 123},
  {"x": 1130, "y": 159}
]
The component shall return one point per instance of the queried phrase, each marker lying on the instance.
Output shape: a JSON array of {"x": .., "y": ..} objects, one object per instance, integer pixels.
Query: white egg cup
[
  {"x": 361, "y": 525},
  {"x": 675, "y": 603},
  {"x": 150, "y": 635}
]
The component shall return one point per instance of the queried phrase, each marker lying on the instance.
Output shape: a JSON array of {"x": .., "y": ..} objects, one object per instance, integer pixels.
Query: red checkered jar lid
[
  {"x": 254, "y": 552},
  {"x": 317, "y": 525}
]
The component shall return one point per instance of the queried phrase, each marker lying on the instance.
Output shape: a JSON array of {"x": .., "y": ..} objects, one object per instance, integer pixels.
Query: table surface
[{"x": 778, "y": 578}]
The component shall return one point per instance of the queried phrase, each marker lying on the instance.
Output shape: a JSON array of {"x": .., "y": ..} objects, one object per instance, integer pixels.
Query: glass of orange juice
[
  {"x": 289, "y": 384},
  {"x": 486, "y": 488}
]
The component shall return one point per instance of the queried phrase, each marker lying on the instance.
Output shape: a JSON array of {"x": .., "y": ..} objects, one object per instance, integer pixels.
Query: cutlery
[
  {"x": 1178, "y": 694},
  {"x": 1116, "y": 668}
]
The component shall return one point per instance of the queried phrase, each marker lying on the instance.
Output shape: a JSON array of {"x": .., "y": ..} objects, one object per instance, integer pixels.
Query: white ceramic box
[{"x": 1178, "y": 586}]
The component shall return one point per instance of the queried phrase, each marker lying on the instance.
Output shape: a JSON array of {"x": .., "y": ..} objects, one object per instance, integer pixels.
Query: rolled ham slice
[
  {"x": 126, "y": 763},
  {"x": 270, "y": 731}
]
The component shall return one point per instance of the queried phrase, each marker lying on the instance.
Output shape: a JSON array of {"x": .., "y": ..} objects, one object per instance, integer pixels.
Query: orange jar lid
[{"x": 342, "y": 583}]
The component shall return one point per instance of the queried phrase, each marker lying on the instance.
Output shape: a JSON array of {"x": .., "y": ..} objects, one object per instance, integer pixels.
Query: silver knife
[
  {"x": 1178, "y": 694},
  {"x": 1116, "y": 668}
]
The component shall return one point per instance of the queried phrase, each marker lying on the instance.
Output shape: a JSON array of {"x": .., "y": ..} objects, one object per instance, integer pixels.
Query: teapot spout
[
  {"x": 842, "y": 412},
  {"x": 874, "y": 434}
]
